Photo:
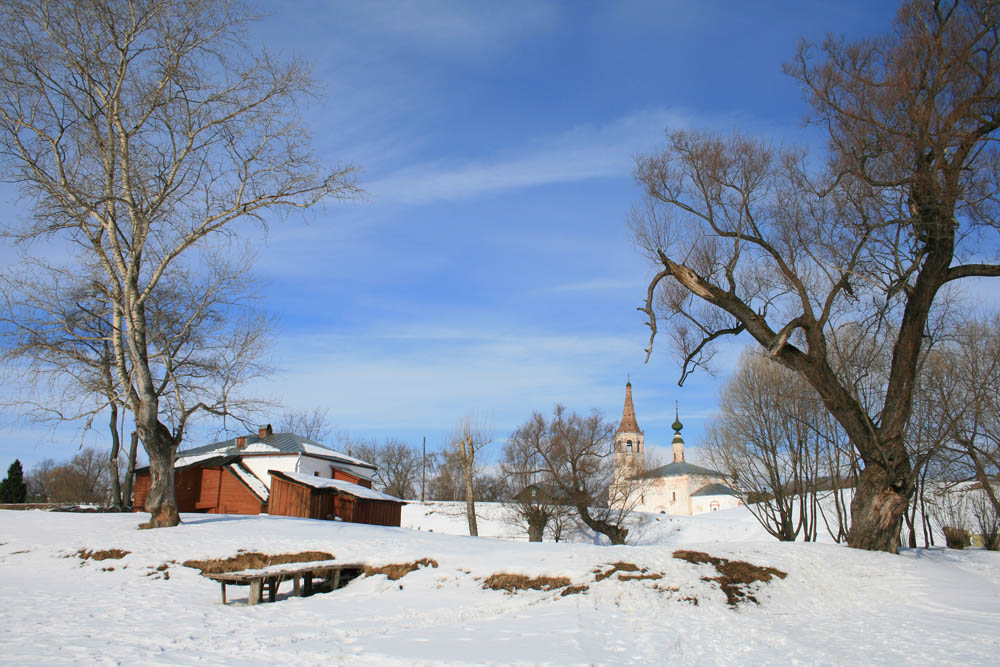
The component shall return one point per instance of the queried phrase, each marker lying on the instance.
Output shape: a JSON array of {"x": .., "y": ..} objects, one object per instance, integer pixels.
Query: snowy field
[{"x": 836, "y": 605}]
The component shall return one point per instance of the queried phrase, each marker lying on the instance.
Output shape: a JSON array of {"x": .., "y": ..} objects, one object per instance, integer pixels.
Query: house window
[
  {"x": 714, "y": 506},
  {"x": 315, "y": 474}
]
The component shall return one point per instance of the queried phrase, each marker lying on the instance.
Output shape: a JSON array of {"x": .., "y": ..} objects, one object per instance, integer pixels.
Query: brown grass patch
[
  {"x": 254, "y": 560},
  {"x": 637, "y": 577},
  {"x": 620, "y": 566},
  {"x": 510, "y": 583},
  {"x": 102, "y": 554},
  {"x": 574, "y": 590},
  {"x": 734, "y": 575},
  {"x": 399, "y": 570}
]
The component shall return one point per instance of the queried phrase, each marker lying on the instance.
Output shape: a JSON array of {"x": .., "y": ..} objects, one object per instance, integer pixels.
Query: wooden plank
[
  {"x": 286, "y": 569},
  {"x": 297, "y": 585}
]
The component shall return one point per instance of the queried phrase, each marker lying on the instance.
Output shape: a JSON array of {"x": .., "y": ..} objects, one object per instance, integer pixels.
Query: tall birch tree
[{"x": 141, "y": 130}]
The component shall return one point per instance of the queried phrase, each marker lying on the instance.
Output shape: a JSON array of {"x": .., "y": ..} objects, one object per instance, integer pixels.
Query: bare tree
[
  {"x": 747, "y": 237},
  {"x": 56, "y": 336},
  {"x": 206, "y": 344},
  {"x": 142, "y": 129},
  {"x": 469, "y": 438},
  {"x": 313, "y": 424},
  {"x": 573, "y": 455},
  {"x": 83, "y": 479},
  {"x": 962, "y": 391},
  {"x": 532, "y": 500},
  {"x": 766, "y": 437},
  {"x": 398, "y": 468},
  {"x": 398, "y": 464}
]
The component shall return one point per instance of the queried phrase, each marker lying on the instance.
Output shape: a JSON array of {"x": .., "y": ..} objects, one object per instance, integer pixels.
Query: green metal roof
[
  {"x": 715, "y": 490},
  {"x": 682, "y": 468}
]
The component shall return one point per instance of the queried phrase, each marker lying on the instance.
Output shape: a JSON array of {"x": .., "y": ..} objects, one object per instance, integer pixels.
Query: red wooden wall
[
  {"x": 348, "y": 477},
  {"x": 212, "y": 490},
  {"x": 293, "y": 499}
]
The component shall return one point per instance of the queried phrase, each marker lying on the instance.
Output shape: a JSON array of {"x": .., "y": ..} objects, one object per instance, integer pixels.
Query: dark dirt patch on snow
[
  {"x": 734, "y": 575},
  {"x": 399, "y": 570},
  {"x": 620, "y": 566},
  {"x": 254, "y": 560},
  {"x": 638, "y": 577},
  {"x": 510, "y": 583},
  {"x": 101, "y": 554}
]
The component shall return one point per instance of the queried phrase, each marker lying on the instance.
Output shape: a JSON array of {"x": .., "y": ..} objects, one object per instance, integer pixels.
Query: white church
[{"x": 676, "y": 488}]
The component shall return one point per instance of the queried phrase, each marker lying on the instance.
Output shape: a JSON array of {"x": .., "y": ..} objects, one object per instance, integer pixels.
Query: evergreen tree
[{"x": 12, "y": 488}]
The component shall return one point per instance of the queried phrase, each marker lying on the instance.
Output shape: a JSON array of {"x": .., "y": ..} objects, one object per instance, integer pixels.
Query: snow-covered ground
[{"x": 836, "y": 606}]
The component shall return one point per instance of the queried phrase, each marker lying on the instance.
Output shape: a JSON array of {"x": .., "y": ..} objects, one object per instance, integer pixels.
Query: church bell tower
[{"x": 630, "y": 447}]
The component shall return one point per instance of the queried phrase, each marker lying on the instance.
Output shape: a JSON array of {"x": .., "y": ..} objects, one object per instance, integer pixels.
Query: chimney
[
  {"x": 241, "y": 442},
  {"x": 264, "y": 431}
]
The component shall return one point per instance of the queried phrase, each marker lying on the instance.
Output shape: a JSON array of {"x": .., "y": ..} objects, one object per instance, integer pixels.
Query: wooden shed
[
  {"x": 295, "y": 494},
  {"x": 218, "y": 485}
]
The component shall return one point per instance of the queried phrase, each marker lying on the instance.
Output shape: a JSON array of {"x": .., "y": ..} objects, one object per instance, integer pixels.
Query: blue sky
[{"x": 489, "y": 270}]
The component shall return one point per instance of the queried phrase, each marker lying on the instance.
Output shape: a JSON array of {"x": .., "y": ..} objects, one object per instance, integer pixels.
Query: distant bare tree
[
  {"x": 142, "y": 131},
  {"x": 573, "y": 454},
  {"x": 398, "y": 464},
  {"x": 963, "y": 399},
  {"x": 532, "y": 500},
  {"x": 83, "y": 479},
  {"x": 312, "y": 424},
  {"x": 468, "y": 440},
  {"x": 446, "y": 482},
  {"x": 398, "y": 468},
  {"x": 769, "y": 436},
  {"x": 755, "y": 238}
]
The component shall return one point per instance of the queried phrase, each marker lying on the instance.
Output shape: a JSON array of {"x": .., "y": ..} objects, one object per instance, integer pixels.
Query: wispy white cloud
[
  {"x": 582, "y": 153},
  {"x": 427, "y": 376}
]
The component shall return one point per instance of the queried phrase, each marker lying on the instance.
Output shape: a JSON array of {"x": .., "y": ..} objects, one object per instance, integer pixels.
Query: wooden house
[
  {"x": 235, "y": 477},
  {"x": 295, "y": 494},
  {"x": 219, "y": 485}
]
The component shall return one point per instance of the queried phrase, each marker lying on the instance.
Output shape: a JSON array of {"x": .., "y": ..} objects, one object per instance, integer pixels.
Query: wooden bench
[{"x": 332, "y": 573}]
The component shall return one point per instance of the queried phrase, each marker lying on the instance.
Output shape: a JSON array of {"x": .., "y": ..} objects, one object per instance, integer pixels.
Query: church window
[
  {"x": 629, "y": 443},
  {"x": 673, "y": 497}
]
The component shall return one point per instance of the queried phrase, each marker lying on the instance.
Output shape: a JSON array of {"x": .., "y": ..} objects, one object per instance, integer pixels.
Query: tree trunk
[
  {"x": 880, "y": 500},
  {"x": 116, "y": 488},
  {"x": 537, "y": 518},
  {"x": 616, "y": 534},
  {"x": 161, "y": 501},
  {"x": 468, "y": 453},
  {"x": 130, "y": 474}
]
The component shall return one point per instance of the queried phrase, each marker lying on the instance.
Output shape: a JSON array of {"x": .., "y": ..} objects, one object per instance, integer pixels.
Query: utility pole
[{"x": 423, "y": 474}]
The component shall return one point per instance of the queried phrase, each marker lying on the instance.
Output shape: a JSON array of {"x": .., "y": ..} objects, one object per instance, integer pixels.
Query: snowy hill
[{"x": 835, "y": 606}]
